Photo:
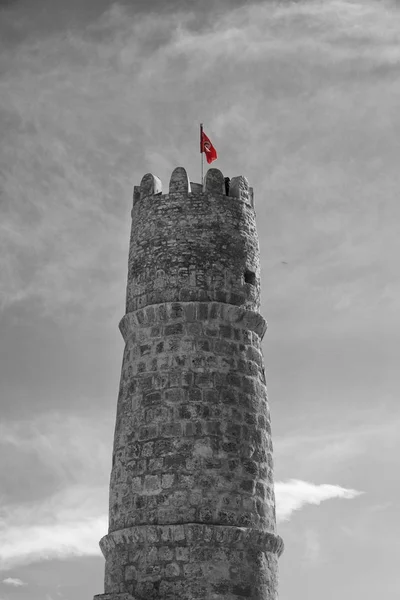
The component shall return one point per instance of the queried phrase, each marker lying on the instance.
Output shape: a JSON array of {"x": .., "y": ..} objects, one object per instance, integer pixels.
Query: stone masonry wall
[
  {"x": 192, "y": 506},
  {"x": 190, "y": 561},
  {"x": 193, "y": 438},
  {"x": 192, "y": 245}
]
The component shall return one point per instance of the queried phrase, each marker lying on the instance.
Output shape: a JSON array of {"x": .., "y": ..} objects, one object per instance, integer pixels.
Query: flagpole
[{"x": 201, "y": 152}]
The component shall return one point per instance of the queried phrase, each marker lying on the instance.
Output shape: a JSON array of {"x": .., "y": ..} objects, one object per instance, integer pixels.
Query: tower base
[{"x": 190, "y": 561}]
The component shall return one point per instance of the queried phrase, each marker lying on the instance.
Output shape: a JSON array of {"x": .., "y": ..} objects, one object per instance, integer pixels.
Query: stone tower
[{"x": 192, "y": 506}]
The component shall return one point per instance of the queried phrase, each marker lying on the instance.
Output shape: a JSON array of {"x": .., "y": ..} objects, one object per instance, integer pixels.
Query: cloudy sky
[{"x": 303, "y": 99}]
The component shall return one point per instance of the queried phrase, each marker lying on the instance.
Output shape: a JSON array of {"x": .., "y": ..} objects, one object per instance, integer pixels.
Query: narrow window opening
[
  {"x": 227, "y": 182},
  {"x": 250, "y": 277}
]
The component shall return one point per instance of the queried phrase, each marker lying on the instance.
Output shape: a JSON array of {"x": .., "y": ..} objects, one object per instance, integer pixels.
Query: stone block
[
  {"x": 165, "y": 553},
  {"x": 172, "y": 570},
  {"x": 148, "y": 432},
  {"x": 130, "y": 573},
  {"x": 152, "y": 483},
  {"x": 171, "y": 430},
  {"x": 182, "y": 553}
]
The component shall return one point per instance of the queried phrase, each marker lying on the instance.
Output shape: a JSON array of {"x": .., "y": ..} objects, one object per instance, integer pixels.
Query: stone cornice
[
  {"x": 193, "y": 311},
  {"x": 193, "y": 533}
]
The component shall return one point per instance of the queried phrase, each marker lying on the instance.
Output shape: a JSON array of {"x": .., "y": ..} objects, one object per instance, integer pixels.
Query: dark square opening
[{"x": 250, "y": 277}]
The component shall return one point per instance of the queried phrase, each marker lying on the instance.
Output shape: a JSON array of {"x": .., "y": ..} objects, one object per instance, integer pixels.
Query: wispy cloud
[
  {"x": 69, "y": 523},
  {"x": 13, "y": 581},
  {"x": 295, "y": 494}
]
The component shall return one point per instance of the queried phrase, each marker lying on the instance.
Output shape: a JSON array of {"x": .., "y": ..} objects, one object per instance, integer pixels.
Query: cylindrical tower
[{"x": 192, "y": 506}]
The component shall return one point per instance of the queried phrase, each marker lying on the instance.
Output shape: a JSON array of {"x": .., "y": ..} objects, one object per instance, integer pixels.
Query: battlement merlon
[{"x": 214, "y": 183}]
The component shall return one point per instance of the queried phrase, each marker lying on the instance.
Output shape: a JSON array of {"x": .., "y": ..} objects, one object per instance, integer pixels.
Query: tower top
[
  {"x": 197, "y": 243},
  {"x": 214, "y": 183}
]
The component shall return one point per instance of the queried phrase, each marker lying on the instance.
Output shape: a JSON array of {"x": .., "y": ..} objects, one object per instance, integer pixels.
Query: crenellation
[
  {"x": 214, "y": 182},
  {"x": 179, "y": 182},
  {"x": 239, "y": 188},
  {"x": 150, "y": 186}
]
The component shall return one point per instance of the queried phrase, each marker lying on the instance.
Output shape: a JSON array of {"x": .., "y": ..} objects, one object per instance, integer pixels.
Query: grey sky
[{"x": 302, "y": 98}]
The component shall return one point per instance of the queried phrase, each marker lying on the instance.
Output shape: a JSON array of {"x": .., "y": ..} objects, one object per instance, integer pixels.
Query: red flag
[{"x": 207, "y": 147}]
